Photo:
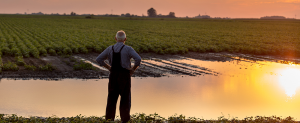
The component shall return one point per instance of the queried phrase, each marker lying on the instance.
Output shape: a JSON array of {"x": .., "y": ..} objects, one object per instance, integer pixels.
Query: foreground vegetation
[
  {"x": 35, "y": 36},
  {"x": 142, "y": 118}
]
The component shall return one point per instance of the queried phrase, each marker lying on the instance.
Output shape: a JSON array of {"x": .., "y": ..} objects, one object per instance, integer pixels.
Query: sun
[{"x": 289, "y": 79}]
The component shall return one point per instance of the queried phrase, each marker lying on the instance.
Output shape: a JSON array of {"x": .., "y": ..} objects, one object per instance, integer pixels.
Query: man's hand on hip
[
  {"x": 107, "y": 67},
  {"x": 132, "y": 69}
]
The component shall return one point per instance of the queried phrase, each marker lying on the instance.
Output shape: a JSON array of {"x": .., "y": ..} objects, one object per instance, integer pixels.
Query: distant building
[
  {"x": 39, "y": 13},
  {"x": 202, "y": 16},
  {"x": 273, "y": 17}
]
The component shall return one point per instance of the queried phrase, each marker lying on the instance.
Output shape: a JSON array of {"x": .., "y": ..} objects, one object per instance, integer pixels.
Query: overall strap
[{"x": 121, "y": 48}]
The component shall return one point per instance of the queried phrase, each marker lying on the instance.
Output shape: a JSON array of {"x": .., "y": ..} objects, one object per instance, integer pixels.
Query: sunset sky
[{"x": 182, "y": 8}]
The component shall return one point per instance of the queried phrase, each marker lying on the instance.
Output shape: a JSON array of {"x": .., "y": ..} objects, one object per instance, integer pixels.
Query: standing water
[{"x": 235, "y": 88}]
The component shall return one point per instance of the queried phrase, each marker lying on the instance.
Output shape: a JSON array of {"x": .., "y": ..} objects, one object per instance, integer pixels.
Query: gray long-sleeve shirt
[{"x": 126, "y": 54}]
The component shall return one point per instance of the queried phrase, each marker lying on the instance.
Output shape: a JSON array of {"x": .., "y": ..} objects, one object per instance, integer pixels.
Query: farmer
[{"x": 119, "y": 56}]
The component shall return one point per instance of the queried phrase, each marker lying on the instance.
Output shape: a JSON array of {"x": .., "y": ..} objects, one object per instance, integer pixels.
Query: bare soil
[{"x": 153, "y": 65}]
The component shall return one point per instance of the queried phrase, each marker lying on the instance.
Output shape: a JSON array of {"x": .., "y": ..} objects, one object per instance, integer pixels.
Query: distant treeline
[{"x": 275, "y": 17}]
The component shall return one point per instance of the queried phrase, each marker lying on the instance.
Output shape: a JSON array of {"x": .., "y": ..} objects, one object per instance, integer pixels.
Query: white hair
[{"x": 120, "y": 35}]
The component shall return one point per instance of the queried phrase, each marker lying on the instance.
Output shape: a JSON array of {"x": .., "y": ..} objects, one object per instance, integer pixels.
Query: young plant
[
  {"x": 83, "y": 66},
  {"x": 10, "y": 66},
  {"x": 52, "y": 52},
  {"x": 47, "y": 67},
  {"x": 20, "y": 60},
  {"x": 30, "y": 67},
  {"x": 42, "y": 51}
]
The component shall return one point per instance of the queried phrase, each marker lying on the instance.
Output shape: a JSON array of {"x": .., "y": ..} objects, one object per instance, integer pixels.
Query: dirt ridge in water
[{"x": 153, "y": 65}]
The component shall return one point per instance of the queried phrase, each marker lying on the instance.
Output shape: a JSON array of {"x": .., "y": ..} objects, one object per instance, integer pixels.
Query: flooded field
[{"x": 204, "y": 87}]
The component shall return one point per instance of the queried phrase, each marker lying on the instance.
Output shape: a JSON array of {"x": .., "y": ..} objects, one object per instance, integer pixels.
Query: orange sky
[{"x": 182, "y": 8}]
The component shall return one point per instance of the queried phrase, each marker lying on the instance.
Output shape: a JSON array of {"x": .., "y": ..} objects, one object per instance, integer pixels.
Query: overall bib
[{"x": 119, "y": 84}]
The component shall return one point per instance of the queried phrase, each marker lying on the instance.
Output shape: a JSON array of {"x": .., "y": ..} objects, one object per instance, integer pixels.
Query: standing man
[{"x": 119, "y": 56}]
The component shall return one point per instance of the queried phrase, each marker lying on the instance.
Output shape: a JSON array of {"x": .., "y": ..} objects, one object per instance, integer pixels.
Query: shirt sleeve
[
  {"x": 103, "y": 56},
  {"x": 135, "y": 56}
]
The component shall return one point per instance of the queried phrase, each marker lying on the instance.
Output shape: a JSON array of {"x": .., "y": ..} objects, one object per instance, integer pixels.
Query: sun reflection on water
[{"x": 289, "y": 79}]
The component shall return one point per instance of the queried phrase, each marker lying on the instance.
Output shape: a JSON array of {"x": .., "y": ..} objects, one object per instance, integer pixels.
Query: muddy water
[{"x": 205, "y": 89}]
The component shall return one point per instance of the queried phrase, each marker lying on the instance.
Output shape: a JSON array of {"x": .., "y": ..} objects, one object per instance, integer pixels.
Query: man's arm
[
  {"x": 133, "y": 69},
  {"x": 103, "y": 56},
  {"x": 137, "y": 60}
]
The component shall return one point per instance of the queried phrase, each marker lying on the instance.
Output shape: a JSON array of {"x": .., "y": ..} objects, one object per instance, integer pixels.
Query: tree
[
  {"x": 127, "y": 15},
  {"x": 172, "y": 14},
  {"x": 151, "y": 12},
  {"x": 73, "y": 13}
]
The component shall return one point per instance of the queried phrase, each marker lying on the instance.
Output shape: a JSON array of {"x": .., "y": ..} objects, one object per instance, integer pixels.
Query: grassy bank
[
  {"x": 33, "y": 36},
  {"x": 142, "y": 118}
]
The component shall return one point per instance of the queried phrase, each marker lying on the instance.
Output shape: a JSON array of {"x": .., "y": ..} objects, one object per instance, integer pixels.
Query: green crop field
[{"x": 34, "y": 36}]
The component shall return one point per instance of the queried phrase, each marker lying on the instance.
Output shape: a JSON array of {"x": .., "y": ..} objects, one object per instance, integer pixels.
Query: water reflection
[
  {"x": 243, "y": 70},
  {"x": 289, "y": 79},
  {"x": 243, "y": 88}
]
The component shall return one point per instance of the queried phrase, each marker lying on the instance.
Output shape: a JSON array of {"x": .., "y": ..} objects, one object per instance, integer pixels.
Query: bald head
[{"x": 121, "y": 36}]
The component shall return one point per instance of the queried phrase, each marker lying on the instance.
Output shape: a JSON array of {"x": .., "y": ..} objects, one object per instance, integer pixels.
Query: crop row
[
  {"x": 55, "y": 36},
  {"x": 19, "y": 61}
]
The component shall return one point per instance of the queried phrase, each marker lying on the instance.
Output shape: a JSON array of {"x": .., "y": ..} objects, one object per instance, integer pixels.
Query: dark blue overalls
[{"x": 119, "y": 84}]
